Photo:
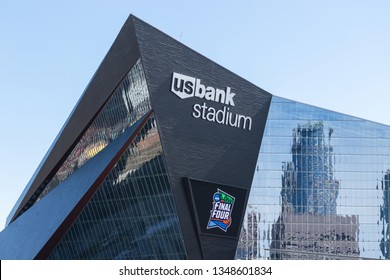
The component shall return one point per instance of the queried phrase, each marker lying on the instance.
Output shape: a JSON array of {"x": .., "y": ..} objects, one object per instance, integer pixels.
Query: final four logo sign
[{"x": 220, "y": 215}]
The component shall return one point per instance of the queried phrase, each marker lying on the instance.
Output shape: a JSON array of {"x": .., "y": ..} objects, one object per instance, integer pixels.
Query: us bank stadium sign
[{"x": 185, "y": 87}]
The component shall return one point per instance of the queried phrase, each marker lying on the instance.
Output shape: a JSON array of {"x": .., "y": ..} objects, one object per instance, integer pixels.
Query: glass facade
[
  {"x": 128, "y": 103},
  {"x": 132, "y": 215},
  {"x": 385, "y": 215},
  {"x": 320, "y": 189}
]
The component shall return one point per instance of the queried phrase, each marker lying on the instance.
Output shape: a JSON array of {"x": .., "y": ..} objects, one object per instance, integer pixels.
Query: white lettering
[
  {"x": 218, "y": 214},
  {"x": 229, "y": 97},
  {"x": 196, "y": 113},
  {"x": 222, "y": 116},
  {"x": 185, "y": 87},
  {"x": 200, "y": 90},
  {"x": 182, "y": 85},
  {"x": 210, "y": 93}
]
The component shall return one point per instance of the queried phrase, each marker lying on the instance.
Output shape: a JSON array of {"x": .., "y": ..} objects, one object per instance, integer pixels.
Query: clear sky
[{"x": 333, "y": 54}]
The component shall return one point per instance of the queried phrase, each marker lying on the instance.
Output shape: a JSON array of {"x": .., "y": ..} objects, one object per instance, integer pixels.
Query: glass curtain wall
[
  {"x": 128, "y": 103},
  {"x": 132, "y": 215},
  {"x": 320, "y": 188}
]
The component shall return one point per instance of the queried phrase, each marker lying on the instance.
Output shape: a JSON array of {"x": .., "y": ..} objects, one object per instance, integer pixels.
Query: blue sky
[{"x": 332, "y": 54}]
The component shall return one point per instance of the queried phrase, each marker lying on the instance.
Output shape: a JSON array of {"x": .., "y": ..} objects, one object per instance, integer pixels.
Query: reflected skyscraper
[
  {"x": 308, "y": 185},
  {"x": 308, "y": 236},
  {"x": 309, "y": 227},
  {"x": 247, "y": 247},
  {"x": 385, "y": 216}
]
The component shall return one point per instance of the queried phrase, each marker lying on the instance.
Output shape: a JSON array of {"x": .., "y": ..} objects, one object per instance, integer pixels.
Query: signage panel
[{"x": 218, "y": 208}]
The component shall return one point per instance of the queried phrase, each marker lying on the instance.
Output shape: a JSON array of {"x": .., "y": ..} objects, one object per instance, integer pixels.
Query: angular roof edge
[{"x": 122, "y": 55}]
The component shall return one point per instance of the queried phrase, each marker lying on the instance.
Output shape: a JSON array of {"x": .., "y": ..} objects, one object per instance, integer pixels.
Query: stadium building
[{"x": 168, "y": 155}]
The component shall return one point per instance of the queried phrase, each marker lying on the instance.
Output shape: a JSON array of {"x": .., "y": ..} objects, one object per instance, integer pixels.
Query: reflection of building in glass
[
  {"x": 308, "y": 236},
  {"x": 120, "y": 222},
  {"x": 385, "y": 216},
  {"x": 247, "y": 247},
  {"x": 126, "y": 105},
  {"x": 309, "y": 226},
  {"x": 307, "y": 209},
  {"x": 308, "y": 185}
]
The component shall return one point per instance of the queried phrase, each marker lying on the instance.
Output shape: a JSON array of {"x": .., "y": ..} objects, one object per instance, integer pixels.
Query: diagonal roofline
[
  {"x": 48, "y": 221},
  {"x": 122, "y": 55}
]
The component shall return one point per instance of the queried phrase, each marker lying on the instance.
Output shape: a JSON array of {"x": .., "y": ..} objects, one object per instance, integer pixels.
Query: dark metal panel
[
  {"x": 196, "y": 147},
  {"x": 120, "y": 58},
  {"x": 218, "y": 211}
]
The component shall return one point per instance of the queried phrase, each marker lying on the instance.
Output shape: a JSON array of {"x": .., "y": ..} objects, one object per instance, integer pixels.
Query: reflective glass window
[
  {"x": 128, "y": 103},
  {"x": 320, "y": 188},
  {"x": 132, "y": 215}
]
